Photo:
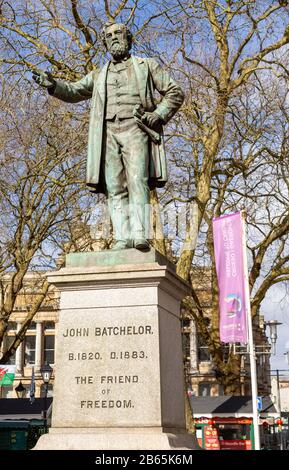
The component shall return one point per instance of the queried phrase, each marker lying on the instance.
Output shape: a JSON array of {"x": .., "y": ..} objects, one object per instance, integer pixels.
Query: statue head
[{"x": 117, "y": 39}]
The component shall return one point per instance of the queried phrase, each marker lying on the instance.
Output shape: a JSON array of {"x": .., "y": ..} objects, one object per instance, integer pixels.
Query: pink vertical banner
[{"x": 230, "y": 265}]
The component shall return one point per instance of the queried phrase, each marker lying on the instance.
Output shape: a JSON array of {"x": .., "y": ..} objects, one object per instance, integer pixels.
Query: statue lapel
[
  {"x": 101, "y": 82},
  {"x": 141, "y": 71}
]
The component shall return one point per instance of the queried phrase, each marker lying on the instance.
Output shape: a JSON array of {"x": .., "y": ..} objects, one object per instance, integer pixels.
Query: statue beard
[{"x": 119, "y": 50}]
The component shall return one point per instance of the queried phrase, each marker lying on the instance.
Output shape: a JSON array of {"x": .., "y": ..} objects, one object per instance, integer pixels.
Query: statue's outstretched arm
[{"x": 71, "y": 92}]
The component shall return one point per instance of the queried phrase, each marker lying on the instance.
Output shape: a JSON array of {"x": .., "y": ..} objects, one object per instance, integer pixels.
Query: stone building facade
[{"x": 39, "y": 344}]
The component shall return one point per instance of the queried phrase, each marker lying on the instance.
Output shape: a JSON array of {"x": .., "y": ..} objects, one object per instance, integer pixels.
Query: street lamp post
[
  {"x": 279, "y": 409},
  {"x": 252, "y": 351},
  {"x": 273, "y": 324},
  {"x": 46, "y": 372},
  {"x": 273, "y": 333},
  {"x": 278, "y": 403}
]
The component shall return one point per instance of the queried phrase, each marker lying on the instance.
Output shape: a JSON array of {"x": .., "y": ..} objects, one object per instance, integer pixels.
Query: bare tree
[
  {"x": 233, "y": 64},
  {"x": 42, "y": 193}
]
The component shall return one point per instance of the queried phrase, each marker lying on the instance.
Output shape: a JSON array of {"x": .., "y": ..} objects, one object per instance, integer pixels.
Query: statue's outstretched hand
[{"x": 44, "y": 79}]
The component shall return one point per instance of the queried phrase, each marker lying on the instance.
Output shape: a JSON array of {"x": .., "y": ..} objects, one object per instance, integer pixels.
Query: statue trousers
[{"x": 126, "y": 171}]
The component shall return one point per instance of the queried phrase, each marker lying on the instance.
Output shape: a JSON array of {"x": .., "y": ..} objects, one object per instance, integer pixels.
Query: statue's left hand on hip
[{"x": 152, "y": 120}]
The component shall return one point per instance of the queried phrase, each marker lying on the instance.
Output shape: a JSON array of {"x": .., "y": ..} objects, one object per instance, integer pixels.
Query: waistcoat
[{"x": 122, "y": 90}]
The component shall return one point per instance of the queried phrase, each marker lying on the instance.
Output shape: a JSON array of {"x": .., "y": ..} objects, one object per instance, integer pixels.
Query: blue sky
[{"x": 276, "y": 307}]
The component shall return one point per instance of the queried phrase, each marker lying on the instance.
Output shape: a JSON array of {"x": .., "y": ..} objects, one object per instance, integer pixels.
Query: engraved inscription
[
  {"x": 123, "y": 330},
  {"x": 84, "y": 379},
  {"x": 119, "y": 379},
  {"x": 84, "y": 356},
  {"x": 109, "y": 331},
  {"x": 106, "y": 404},
  {"x": 72, "y": 332},
  {"x": 111, "y": 376},
  {"x": 128, "y": 355}
]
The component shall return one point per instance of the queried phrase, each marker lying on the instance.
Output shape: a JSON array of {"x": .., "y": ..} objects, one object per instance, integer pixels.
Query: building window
[
  {"x": 49, "y": 349},
  {"x": 233, "y": 431},
  {"x": 30, "y": 342},
  {"x": 204, "y": 389},
  {"x": 203, "y": 351},
  {"x": 12, "y": 326},
  {"x": 203, "y": 354},
  {"x": 9, "y": 341},
  {"x": 49, "y": 325}
]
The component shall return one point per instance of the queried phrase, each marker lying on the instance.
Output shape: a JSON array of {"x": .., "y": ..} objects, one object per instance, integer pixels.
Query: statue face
[{"x": 116, "y": 40}]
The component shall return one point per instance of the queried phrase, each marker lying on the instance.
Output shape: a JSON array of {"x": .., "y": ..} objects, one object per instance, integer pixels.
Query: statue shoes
[
  {"x": 121, "y": 245},
  {"x": 141, "y": 244}
]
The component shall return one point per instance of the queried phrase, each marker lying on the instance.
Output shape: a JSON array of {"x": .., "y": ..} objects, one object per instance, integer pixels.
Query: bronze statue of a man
[{"x": 125, "y": 150}]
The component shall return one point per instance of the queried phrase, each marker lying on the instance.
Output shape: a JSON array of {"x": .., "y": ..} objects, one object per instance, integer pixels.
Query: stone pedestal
[{"x": 119, "y": 375}]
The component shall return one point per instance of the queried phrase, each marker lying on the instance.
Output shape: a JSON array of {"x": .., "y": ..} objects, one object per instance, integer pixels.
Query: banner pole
[{"x": 252, "y": 353}]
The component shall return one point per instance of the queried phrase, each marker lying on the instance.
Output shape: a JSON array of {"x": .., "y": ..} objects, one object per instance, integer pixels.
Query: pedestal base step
[{"x": 74, "y": 440}]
